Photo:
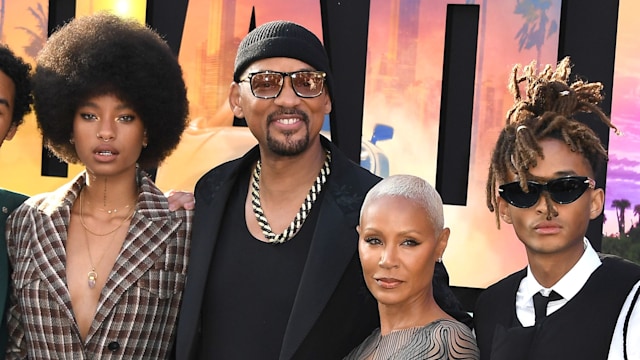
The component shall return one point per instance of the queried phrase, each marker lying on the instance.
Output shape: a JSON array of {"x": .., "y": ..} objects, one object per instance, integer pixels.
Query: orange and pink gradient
[
  {"x": 623, "y": 171},
  {"x": 478, "y": 253},
  {"x": 213, "y": 30}
]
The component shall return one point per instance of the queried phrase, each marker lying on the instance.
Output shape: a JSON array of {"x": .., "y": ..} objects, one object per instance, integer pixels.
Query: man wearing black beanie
[{"x": 274, "y": 270}]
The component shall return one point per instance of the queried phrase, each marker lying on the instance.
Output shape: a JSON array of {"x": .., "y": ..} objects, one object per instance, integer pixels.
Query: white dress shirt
[{"x": 568, "y": 286}]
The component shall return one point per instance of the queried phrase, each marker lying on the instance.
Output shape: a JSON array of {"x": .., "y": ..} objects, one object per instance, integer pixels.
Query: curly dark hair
[
  {"x": 546, "y": 113},
  {"x": 20, "y": 73},
  {"x": 104, "y": 54}
]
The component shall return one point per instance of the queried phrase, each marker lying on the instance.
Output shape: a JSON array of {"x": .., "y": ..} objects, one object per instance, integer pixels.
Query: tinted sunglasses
[
  {"x": 564, "y": 190},
  {"x": 268, "y": 84}
]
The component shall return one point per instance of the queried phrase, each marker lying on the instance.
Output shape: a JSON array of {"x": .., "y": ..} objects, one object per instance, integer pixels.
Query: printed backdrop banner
[
  {"x": 406, "y": 49},
  {"x": 213, "y": 30},
  {"x": 402, "y": 98}
]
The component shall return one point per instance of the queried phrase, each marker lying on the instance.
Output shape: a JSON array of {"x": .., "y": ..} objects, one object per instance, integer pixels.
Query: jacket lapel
[
  {"x": 332, "y": 248},
  {"x": 328, "y": 257},
  {"x": 48, "y": 247},
  {"x": 9, "y": 201},
  {"x": 49, "y": 255},
  {"x": 150, "y": 228},
  {"x": 212, "y": 193}
]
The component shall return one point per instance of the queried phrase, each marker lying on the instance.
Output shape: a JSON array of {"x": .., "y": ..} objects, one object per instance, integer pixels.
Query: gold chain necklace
[
  {"x": 92, "y": 275},
  {"x": 114, "y": 210},
  {"x": 302, "y": 214},
  {"x": 84, "y": 225}
]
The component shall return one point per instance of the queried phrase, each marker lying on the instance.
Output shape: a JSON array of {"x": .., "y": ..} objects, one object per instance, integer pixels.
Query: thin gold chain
[
  {"x": 84, "y": 225},
  {"x": 92, "y": 275}
]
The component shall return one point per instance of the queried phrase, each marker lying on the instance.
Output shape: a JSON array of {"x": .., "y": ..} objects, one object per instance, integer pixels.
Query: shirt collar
[{"x": 569, "y": 285}]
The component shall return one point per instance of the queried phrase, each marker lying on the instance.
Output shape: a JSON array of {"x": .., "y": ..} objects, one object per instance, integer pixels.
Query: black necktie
[{"x": 540, "y": 304}]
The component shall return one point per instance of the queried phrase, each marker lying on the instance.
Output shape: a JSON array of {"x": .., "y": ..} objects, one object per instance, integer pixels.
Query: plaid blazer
[{"x": 138, "y": 307}]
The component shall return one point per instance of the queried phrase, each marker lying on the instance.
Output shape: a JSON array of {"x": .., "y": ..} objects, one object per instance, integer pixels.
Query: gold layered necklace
[
  {"x": 92, "y": 275},
  {"x": 114, "y": 210},
  {"x": 302, "y": 214}
]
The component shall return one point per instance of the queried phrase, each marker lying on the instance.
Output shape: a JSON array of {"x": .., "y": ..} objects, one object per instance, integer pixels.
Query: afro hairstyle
[{"x": 103, "y": 54}]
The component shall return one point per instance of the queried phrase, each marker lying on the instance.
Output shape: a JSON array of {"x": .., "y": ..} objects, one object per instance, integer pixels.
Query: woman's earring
[
  {"x": 439, "y": 259},
  {"x": 71, "y": 141}
]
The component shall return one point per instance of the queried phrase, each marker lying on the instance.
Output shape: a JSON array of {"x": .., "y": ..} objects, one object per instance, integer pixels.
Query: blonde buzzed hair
[{"x": 411, "y": 188}]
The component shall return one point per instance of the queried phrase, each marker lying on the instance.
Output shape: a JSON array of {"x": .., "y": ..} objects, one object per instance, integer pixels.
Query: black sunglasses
[
  {"x": 268, "y": 84},
  {"x": 564, "y": 190}
]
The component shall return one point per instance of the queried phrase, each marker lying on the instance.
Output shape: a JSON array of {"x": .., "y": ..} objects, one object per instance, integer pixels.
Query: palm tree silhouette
[
  {"x": 621, "y": 205},
  {"x": 636, "y": 211},
  {"x": 534, "y": 30},
  {"x": 38, "y": 36}
]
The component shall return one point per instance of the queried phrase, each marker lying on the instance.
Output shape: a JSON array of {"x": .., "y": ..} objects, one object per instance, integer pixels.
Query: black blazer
[
  {"x": 581, "y": 329},
  {"x": 9, "y": 201},
  {"x": 333, "y": 311}
]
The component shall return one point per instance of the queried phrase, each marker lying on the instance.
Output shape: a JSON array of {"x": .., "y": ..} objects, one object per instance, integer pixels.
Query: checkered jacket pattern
[{"x": 138, "y": 307}]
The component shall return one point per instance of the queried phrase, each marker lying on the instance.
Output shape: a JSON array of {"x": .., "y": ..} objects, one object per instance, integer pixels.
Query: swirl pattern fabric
[{"x": 440, "y": 340}]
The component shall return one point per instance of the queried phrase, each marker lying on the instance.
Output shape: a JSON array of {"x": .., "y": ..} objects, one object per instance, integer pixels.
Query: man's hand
[{"x": 180, "y": 200}]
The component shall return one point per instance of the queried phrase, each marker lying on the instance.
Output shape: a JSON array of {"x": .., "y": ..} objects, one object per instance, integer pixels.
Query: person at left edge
[
  {"x": 99, "y": 264},
  {"x": 15, "y": 103}
]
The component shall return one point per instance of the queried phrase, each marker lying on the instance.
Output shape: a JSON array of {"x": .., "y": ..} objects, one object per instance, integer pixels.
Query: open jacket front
[{"x": 333, "y": 311}]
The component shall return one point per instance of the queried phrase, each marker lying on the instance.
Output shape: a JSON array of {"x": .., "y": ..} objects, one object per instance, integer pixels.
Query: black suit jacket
[
  {"x": 9, "y": 201},
  {"x": 333, "y": 311},
  {"x": 581, "y": 329}
]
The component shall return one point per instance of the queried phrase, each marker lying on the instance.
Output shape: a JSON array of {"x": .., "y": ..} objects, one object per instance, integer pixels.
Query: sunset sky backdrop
[{"x": 478, "y": 253}]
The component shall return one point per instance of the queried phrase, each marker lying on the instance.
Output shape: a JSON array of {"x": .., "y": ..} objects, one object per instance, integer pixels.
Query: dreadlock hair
[{"x": 545, "y": 113}]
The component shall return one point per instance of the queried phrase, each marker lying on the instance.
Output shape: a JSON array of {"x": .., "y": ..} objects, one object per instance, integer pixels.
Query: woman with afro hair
[{"x": 99, "y": 264}]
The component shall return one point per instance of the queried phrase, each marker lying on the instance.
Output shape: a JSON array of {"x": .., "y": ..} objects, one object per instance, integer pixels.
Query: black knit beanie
[{"x": 282, "y": 39}]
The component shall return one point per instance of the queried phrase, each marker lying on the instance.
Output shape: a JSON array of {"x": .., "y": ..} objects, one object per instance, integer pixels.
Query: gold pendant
[{"x": 92, "y": 276}]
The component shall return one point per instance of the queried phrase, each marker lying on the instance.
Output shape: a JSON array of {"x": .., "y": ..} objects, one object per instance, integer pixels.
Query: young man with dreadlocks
[{"x": 570, "y": 302}]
